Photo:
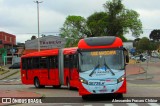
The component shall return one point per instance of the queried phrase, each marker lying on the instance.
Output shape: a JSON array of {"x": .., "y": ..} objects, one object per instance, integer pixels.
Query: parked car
[
  {"x": 15, "y": 66},
  {"x": 137, "y": 57}
]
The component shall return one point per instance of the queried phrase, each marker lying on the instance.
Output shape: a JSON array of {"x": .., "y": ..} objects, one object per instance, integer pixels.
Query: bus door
[
  {"x": 71, "y": 66},
  {"x": 73, "y": 73},
  {"x": 24, "y": 73},
  {"x": 53, "y": 69},
  {"x": 29, "y": 71},
  {"x": 66, "y": 69},
  {"x": 43, "y": 70}
]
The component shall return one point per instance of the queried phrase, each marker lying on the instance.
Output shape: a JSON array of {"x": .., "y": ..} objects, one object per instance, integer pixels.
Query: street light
[{"x": 38, "y": 21}]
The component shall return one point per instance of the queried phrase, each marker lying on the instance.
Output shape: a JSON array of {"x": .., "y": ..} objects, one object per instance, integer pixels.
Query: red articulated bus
[
  {"x": 96, "y": 66},
  {"x": 54, "y": 67}
]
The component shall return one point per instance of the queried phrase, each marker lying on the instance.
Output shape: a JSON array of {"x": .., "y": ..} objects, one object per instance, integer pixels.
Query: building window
[
  {"x": 5, "y": 38},
  {"x": 10, "y": 39}
]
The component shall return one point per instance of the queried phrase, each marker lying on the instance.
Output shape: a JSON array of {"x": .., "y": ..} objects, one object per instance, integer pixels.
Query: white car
[{"x": 137, "y": 57}]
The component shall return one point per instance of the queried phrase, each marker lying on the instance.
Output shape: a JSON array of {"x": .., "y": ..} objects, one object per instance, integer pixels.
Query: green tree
[
  {"x": 2, "y": 50},
  {"x": 74, "y": 28},
  {"x": 135, "y": 42},
  {"x": 155, "y": 35},
  {"x": 97, "y": 23},
  {"x": 145, "y": 44},
  {"x": 122, "y": 20},
  {"x": 33, "y": 37},
  {"x": 116, "y": 20}
]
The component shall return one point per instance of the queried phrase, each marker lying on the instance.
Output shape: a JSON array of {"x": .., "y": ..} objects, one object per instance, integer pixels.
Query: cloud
[
  {"x": 19, "y": 17},
  {"x": 142, "y": 4}
]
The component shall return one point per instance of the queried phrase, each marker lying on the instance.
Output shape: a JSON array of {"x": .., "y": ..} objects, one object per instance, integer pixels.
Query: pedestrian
[{"x": 141, "y": 57}]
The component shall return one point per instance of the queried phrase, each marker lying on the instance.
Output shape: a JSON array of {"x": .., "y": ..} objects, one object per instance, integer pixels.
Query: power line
[{"x": 34, "y": 32}]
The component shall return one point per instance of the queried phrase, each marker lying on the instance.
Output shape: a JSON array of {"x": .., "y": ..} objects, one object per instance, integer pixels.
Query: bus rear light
[{"x": 23, "y": 75}]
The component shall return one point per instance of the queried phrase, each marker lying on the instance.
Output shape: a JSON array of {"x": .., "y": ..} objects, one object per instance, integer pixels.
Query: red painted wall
[{"x": 5, "y": 37}]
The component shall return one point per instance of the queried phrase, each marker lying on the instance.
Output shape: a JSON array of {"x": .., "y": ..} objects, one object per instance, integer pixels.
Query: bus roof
[
  {"x": 70, "y": 50},
  {"x": 100, "y": 42},
  {"x": 42, "y": 53},
  {"x": 51, "y": 52}
]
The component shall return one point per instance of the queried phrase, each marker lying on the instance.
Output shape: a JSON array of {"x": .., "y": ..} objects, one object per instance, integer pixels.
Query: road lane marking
[
  {"x": 108, "y": 104},
  {"x": 131, "y": 104},
  {"x": 143, "y": 85},
  {"x": 67, "y": 105},
  {"x": 153, "y": 104},
  {"x": 87, "y": 105}
]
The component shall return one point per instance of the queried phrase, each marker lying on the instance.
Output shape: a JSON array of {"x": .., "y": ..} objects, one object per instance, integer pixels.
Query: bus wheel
[
  {"x": 37, "y": 83},
  {"x": 120, "y": 96},
  {"x": 68, "y": 85},
  {"x": 85, "y": 97}
]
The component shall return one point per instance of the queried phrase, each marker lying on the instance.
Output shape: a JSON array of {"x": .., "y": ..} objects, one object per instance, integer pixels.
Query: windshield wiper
[
  {"x": 108, "y": 67},
  {"x": 97, "y": 66}
]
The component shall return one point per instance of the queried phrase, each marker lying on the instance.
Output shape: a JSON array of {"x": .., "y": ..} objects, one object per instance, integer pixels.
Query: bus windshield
[{"x": 91, "y": 60}]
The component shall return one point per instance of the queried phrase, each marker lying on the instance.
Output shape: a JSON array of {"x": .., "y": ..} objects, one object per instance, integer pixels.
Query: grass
[
  {"x": 11, "y": 74},
  {"x": 132, "y": 61}
]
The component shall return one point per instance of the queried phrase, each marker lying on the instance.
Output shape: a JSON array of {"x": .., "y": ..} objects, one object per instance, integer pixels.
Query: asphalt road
[
  {"x": 135, "y": 88},
  {"x": 71, "y": 96}
]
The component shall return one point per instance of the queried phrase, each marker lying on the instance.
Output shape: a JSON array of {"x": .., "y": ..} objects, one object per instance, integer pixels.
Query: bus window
[
  {"x": 43, "y": 62},
  {"x": 53, "y": 62},
  {"x": 29, "y": 63},
  {"x": 66, "y": 61},
  {"x": 24, "y": 63},
  {"x": 35, "y": 64},
  {"x": 73, "y": 61}
]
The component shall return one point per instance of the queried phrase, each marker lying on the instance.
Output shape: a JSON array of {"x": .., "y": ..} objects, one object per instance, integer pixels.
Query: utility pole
[{"x": 38, "y": 21}]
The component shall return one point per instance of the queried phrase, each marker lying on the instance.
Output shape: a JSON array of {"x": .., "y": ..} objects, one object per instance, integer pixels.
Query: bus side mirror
[{"x": 127, "y": 59}]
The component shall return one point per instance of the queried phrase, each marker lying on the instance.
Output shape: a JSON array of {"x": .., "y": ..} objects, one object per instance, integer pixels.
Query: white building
[{"x": 47, "y": 42}]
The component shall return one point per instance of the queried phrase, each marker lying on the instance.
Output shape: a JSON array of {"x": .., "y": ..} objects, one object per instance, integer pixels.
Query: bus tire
[
  {"x": 120, "y": 96},
  {"x": 37, "y": 83},
  {"x": 68, "y": 84},
  {"x": 84, "y": 97},
  {"x": 56, "y": 86}
]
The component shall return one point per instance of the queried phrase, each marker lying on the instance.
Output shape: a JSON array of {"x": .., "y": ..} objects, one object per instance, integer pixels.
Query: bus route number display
[{"x": 101, "y": 53}]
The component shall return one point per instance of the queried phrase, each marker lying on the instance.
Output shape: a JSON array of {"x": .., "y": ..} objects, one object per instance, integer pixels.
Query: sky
[{"x": 19, "y": 17}]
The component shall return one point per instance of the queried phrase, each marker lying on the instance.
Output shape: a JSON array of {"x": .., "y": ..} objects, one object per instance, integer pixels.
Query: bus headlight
[
  {"x": 83, "y": 80},
  {"x": 121, "y": 79}
]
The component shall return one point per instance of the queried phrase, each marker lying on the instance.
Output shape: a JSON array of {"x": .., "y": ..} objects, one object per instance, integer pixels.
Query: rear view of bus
[{"x": 101, "y": 66}]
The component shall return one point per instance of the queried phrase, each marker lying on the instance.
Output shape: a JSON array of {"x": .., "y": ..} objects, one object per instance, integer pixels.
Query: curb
[
  {"x": 6, "y": 71},
  {"x": 8, "y": 75},
  {"x": 10, "y": 84},
  {"x": 140, "y": 78}
]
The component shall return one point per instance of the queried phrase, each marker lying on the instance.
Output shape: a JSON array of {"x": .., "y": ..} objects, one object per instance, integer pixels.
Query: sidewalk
[{"x": 134, "y": 69}]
